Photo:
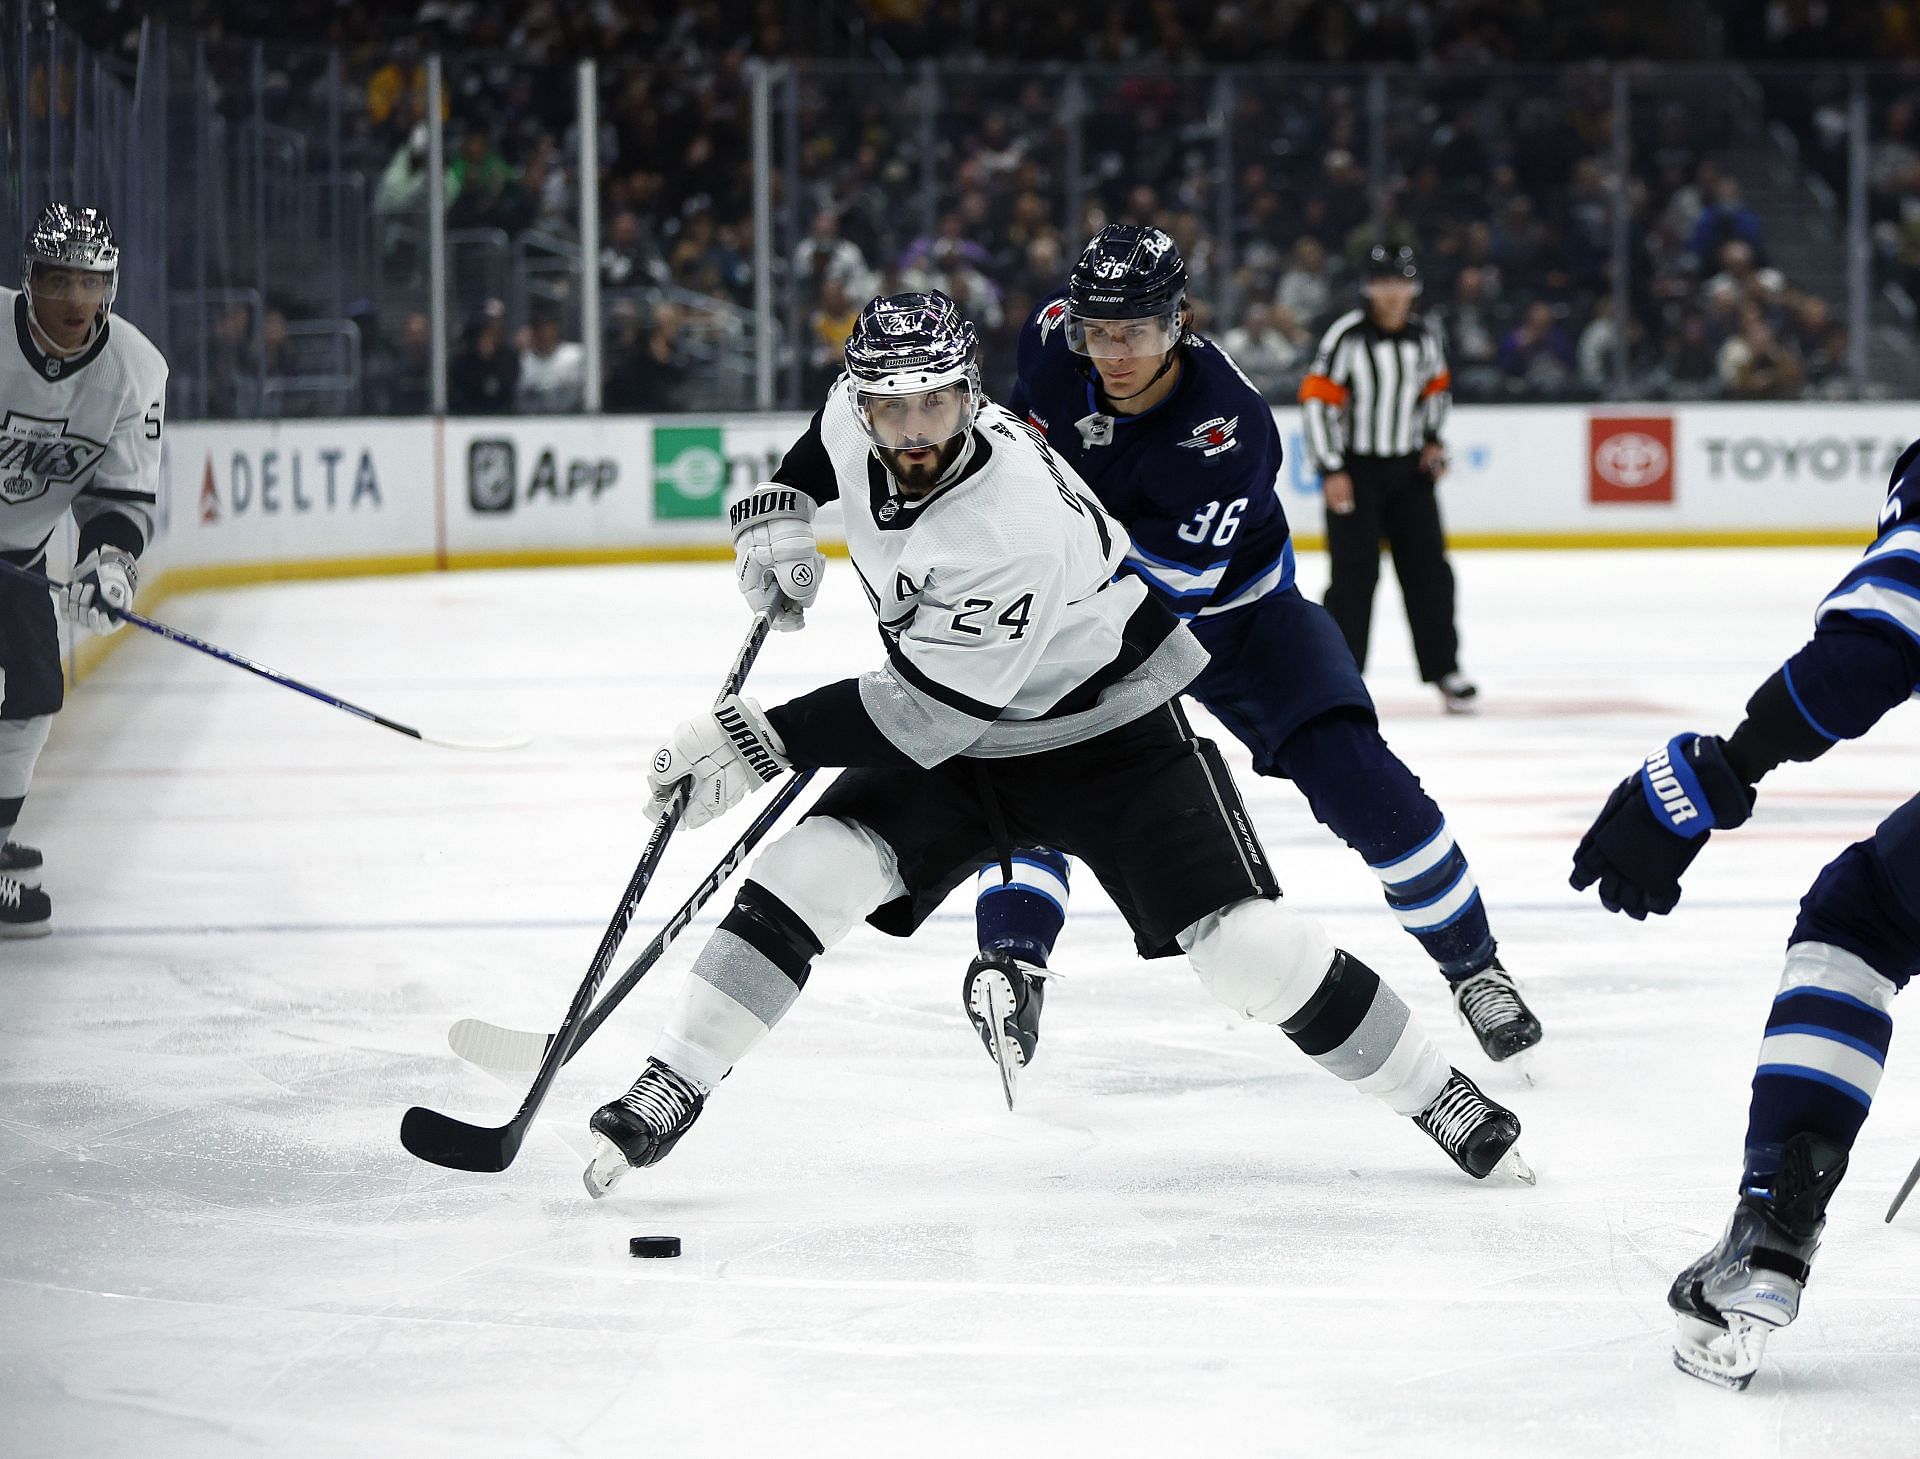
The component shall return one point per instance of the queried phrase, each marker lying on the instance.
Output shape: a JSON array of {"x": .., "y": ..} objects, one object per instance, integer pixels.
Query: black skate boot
[
  {"x": 1003, "y": 996},
  {"x": 24, "y": 911},
  {"x": 642, "y": 1125},
  {"x": 1490, "y": 1005},
  {"x": 1459, "y": 694},
  {"x": 1726, "y": 1303},
  {"x": 1476, "y": 1133},
  {"x": 22, "y": 863}
]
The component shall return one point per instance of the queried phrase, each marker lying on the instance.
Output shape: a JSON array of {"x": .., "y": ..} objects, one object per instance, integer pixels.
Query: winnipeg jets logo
[
  {"x": 38, "y": 452},
  {"x": 1213, "y": 437},
  {"x": 1052, "y": 317}
]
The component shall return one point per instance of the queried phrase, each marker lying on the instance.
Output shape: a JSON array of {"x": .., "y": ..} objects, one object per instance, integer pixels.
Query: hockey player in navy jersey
[
  {"x": 1179, "y": 445},
  {"x": 1855, "y": 944}
]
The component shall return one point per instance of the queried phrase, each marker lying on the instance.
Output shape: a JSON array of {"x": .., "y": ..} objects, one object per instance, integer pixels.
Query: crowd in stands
[{"x": 1504, "y": 182}]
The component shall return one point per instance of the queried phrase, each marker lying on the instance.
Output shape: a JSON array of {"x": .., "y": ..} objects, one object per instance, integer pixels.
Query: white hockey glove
[
  {"x": 728, "y": 753},
  {"x": 776, "y": 560},
  {"x": 104, "y": 579}
]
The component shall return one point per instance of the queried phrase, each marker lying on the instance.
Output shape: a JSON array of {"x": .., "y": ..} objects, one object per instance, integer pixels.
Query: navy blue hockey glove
[{"x": 1655, "y": 823}]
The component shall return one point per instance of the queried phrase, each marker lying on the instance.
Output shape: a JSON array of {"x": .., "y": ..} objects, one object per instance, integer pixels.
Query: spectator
[
  {"x": 483, "y": 376},
  {"x": 401, "y": 381},
  {"x": 1537, "y": 353},
  {"x": 1599, "y": 347},
  {"x": 823, "y": 254},
  {"x": 1817, "y": 338},
  {"x": 1755, "y": 365},
  {"x": 1306, "y": 288},
  {"x": 400, "y": 200},
  {"x": 1473, "y": 338},
  {"x": 552, "y": 370},
  {"x": 828, "y": 326},
  {"x": 1724, "y": 221},
  {"x": 1266, "y": 353},
  {"x": 647, "y": 364},
  {"x": 629, "y": 260},
  {"x": 483, "y": 189}
]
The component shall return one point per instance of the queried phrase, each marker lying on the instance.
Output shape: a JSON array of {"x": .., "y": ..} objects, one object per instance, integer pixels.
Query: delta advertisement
[{"x": 344, "y": 494}]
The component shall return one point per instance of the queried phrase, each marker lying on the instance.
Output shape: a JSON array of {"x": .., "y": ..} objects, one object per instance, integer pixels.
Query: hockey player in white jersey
[
  {"x": 82, "y": 403},
  {"x": 1028, "y": 697}
]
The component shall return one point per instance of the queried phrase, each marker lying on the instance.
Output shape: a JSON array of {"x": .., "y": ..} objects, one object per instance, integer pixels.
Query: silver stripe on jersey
[{"x": 1004, "y": 592}]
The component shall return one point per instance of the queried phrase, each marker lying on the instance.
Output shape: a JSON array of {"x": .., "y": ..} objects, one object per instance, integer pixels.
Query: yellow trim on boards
[{"x": 90, "y": 654}]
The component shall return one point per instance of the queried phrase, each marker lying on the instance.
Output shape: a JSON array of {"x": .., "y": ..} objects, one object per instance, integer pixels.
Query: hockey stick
[
  {"x": 442, "y": 1140},
  {"x": 519, "y": 1051},
  {"x": 1906, "y": 1189},
  {"x": 127, "y": 615}
]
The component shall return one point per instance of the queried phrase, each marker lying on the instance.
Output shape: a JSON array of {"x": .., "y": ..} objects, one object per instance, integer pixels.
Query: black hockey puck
[{"x": 653, "y": 1246}]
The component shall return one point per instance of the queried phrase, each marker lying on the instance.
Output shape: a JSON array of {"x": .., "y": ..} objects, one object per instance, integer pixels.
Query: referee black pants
[{"x": 1395, "y": 500}]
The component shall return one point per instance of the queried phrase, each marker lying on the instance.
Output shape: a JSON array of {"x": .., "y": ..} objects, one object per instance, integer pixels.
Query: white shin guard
[
  {"x": 829, "y": 874},
  {"x": 1266, "y": 961}
]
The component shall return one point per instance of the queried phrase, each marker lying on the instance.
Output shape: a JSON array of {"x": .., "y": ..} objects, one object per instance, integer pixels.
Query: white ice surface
[{"x": 1188, "y": 1240}]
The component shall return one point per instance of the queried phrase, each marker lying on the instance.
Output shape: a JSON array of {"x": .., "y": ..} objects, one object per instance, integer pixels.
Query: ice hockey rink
[{"x": 1187, "y": 1240}]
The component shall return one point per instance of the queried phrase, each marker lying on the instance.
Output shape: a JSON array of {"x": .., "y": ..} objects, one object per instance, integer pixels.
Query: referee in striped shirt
[{"x": 1374, "y": 402}]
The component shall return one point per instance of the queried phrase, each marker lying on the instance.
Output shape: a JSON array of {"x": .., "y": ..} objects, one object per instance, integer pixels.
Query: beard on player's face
[{"x": 917, "y": 470}]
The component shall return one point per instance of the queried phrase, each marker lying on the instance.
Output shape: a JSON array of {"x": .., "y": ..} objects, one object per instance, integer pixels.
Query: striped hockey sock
[
  {"x": 1432, "y": 891},
  {"x": 1821, "y": 1058},
  {"x": 1023, "y": 917}
]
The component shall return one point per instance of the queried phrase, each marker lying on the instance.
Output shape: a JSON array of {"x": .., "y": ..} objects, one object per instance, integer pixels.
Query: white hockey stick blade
[
  {"x": 1725, "y": 1357},
  {"x": 1512, "y": 1164},
  {"x": 504, "y": 1050},
  {"x": 445, "y": 742},
  {"x": 1906, "y": 1189}
]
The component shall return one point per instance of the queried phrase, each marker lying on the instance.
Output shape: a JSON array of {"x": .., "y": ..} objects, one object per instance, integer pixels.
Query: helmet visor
[
  {"x": 920, "y": 419},
  {"x": 1123, "y": 339},
  {"x": 65, "y": 281}
]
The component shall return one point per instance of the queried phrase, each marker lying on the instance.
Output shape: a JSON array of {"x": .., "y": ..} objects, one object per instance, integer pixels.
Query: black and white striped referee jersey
[{"x": 1374, "y": 393}]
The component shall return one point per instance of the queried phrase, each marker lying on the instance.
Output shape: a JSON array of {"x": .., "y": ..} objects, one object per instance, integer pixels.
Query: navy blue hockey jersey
[{"x": 1193, "y": 479}]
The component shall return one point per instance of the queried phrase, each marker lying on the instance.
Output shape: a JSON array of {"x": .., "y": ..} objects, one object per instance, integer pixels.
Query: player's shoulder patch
[
  {"x": 1052, "y": 316},
  {"x": 1213, "y": 437}
]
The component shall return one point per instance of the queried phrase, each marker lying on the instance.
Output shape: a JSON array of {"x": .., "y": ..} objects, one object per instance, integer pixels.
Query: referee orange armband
[{"x": 1319, "y": 387}]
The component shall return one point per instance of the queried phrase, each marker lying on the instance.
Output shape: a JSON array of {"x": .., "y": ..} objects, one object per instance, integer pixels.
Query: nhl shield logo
[
  {"x": 53, "y": 369},
  {"x": 889, "y": 509}
]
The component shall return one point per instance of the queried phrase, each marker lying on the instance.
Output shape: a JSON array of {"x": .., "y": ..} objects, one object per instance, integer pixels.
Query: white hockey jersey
[
  {"x": 79, "y": 434},
  {"x": 1006, "y": 631}
]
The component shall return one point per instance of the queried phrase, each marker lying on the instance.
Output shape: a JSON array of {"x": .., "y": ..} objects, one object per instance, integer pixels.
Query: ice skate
[
  {"x": 22, "y": 863},
  {"x": 1004, "y": 997},
  {"x": 1727, "y": 1303},
  {"x": 642, "y": 1125},
  {"x": 1478, "y": 1135},
  {"x": 24, "y": 911},
  {"x": 1490, "y": 1005},
  {"x": 1459, "y": 694}
]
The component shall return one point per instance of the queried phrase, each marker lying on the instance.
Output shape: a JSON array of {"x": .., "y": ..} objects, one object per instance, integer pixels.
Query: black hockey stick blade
[{"x": 442, "y": 1140}]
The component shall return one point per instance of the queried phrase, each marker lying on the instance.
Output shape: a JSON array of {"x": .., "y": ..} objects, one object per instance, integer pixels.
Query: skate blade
[
  {"x": 1521, "y": 1064},
  {"x": 1006, "y": 1053},
  {"x": 605, "y": 1170},
  {"x": 1727, "y": 1358},
  {"x": 1514, "y": 1165}
]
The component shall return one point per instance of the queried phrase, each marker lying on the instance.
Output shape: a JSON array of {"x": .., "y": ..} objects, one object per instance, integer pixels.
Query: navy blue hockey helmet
[
  {"x": 1127, "y": 272},
  {"x": 913, "y": 370}
]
